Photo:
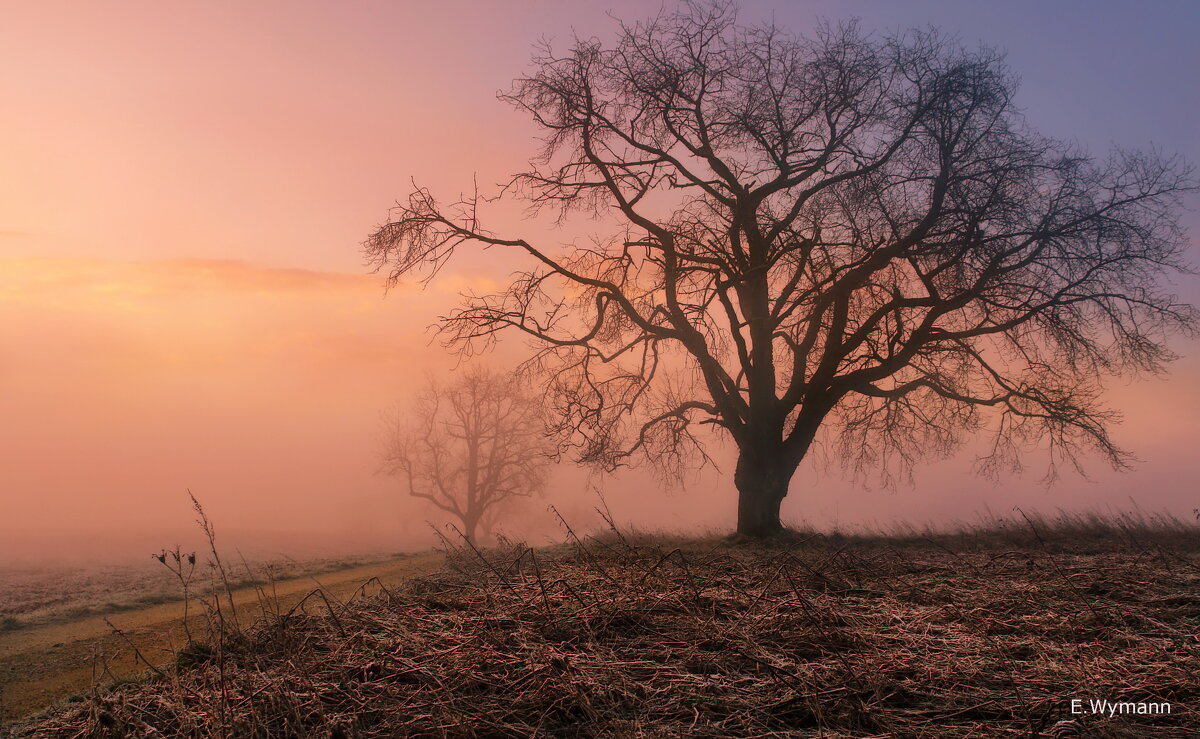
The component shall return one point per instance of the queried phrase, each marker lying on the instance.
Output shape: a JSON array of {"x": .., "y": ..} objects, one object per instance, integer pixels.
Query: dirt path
[{"x": 42, "y": 665}]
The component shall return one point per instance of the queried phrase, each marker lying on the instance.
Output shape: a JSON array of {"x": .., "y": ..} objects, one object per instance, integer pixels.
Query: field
[
  {"x": 65, "y": 643},
  {"x": 37, "y": 596},
  {"x": 979, "y": 633}
]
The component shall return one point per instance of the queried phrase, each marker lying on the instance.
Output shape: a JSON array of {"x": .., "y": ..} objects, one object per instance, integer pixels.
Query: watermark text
[{"x": 1106, "y": 707}]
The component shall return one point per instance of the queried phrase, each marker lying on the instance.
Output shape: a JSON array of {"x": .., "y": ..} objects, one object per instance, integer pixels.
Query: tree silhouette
[
  {"x": 471, "y": 448},
  {"x": 840, "y": 238}
]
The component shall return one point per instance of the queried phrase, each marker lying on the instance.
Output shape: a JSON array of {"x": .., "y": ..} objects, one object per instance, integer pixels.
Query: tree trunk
[
  {"x": 761, "y": 489},
  {"x": 470, "y": 526}
]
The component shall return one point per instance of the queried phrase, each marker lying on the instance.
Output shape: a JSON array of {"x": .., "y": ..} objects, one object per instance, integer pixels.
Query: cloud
[
  {"x": 144, "y": 323},
  {"x": 148, "y": 277}
]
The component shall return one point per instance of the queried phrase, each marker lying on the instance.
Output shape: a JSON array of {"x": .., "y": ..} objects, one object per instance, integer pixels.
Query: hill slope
[{"x": 952, "y": 637}]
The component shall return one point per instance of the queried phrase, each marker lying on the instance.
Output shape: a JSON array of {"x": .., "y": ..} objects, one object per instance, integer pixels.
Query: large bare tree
[
  {"x": 842, "y": 237},
  {"x": 471, "y": 447}
]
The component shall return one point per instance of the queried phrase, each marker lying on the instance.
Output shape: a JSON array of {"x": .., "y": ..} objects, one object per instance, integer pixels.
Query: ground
[
  {"x": 983, "y": 634},
  {"x": 73, "y": 645}
]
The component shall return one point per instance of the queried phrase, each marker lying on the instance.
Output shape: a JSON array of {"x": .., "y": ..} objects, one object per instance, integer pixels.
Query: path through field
[{"x": 42, "y": 665}]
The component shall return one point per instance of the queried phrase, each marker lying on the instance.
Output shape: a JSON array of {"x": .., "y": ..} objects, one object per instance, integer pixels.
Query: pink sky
[{"x": 183, "y": 303}]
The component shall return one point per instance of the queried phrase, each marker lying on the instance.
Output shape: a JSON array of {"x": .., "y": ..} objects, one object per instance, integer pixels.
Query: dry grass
[
  {"x": 43, "y": 665},
  {"x": 954, "y": 636},
  {"x": 36, "y": 596}
]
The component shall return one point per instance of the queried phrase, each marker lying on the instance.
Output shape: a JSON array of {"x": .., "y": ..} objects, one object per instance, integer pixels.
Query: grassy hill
[{"x": 978, "y": 633}]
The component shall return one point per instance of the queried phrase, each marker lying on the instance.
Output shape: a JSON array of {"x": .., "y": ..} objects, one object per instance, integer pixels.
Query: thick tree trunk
[{"x": 761, "y": 489}]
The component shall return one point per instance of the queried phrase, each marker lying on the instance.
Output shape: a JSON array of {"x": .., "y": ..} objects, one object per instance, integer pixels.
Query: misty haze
[{"x": 731, "y": 368}]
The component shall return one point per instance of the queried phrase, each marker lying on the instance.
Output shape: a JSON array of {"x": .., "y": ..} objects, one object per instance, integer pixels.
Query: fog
[
  {"x": 183, "y": 305},
  {"x": 261, "y": 390}
]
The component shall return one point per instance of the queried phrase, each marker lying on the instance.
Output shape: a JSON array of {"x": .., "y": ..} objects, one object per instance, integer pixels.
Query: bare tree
[
  {"x": 471, "y": 448},
  {"x": 842, "y": 238}
]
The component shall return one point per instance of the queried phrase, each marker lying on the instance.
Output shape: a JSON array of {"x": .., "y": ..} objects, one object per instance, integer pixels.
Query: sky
[{"x": 184, "y": 305}]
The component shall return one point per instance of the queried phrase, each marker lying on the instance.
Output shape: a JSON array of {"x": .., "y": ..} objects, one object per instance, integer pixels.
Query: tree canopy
[
  {"x": 471, "y": 447},
  {"x": 843, "y": 234}
]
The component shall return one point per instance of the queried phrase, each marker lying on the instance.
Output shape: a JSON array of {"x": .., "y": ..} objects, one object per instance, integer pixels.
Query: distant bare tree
[
  {"x": 842, "y": 237},
  {"x": 470, "y": 447}
]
